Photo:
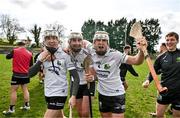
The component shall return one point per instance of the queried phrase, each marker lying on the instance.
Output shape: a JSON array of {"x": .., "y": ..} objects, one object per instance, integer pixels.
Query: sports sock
[{"x": 11, "y": 107}]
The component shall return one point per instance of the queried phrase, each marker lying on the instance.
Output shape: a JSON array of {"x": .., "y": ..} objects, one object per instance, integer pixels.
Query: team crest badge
[
  {"x": 58, "y": 62},
  {"x": 106, "y": 66}
]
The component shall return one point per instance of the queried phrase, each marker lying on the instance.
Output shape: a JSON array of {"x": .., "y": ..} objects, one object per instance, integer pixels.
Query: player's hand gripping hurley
[
  {"x": 87, "y": 62},
  {"x": 136, "y": 32}
]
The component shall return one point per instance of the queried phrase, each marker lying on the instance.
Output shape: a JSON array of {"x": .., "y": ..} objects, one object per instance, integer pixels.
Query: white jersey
[
  {"x": 107, "y": 71},
  {"x": 55, "y": 83},
  {"x": 78, "y": 60}
]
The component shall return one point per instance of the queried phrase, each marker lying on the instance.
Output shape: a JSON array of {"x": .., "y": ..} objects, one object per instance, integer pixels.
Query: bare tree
[
  {"x": 36, "y": 32},
  {"x": 10, "y": 27}
]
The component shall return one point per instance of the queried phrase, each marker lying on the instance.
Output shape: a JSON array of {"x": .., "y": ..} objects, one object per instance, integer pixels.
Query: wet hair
[{"x": 173, "y": 34}]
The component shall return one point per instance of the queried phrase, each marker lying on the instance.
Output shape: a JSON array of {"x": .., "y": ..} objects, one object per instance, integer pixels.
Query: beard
[
  {"x": 101, "y": 53},
  {"x": 75, "y": 49}
]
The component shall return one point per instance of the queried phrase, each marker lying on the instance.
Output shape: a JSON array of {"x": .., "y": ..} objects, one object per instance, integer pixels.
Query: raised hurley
[
  {"x": 136, "y": 32},
  {"x": 87, "y": 62}
]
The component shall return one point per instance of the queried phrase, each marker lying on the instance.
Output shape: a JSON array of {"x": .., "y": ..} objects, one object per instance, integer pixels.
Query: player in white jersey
[
  {"x": 55, "y": 63},
  {"x": 106, "y": 63},
  {"x": 78, "y": 54}
]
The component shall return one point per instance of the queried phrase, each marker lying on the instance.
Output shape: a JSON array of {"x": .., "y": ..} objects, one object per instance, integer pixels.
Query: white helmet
[
  {"x": 75, "y": 35},
  {"x": 50, "y": 33},
  {"x": 101, "y": 35},
  {"x": 20, "y": 41}
]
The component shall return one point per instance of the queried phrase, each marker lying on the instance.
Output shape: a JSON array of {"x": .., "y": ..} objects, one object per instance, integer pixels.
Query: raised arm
[{"x": 138, "y": 59}]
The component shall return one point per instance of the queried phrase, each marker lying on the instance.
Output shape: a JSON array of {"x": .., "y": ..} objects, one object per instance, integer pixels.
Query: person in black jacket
[
  {"x": 126, "y": 67},
  {"x": 168, "y": 65},
  {"x": 149, "y": 79}
]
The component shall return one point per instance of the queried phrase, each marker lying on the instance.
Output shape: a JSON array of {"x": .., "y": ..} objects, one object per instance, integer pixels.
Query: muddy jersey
[
  {"x": 107, "y": 71},
  {"x": 55, "y": 81},
  {"x": 78, "y": 62}
]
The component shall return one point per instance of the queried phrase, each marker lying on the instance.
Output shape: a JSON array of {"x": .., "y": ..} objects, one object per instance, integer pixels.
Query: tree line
[
  {"x": 10, "y": 27},
  {"x": 118, "y": 31}
]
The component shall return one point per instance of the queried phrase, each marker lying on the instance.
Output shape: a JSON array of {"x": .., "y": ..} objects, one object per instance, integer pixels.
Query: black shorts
[
  {"x": 114, "y": 104},
  {"x": 56, "y": 102},
  {"x": 170, "y": 98},
  {"x": 19, "y": 81},
  {"x": 83, "y": 90}
]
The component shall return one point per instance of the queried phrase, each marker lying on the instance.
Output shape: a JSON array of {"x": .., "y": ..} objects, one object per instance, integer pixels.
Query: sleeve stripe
[{"x": 71, "y": 68}]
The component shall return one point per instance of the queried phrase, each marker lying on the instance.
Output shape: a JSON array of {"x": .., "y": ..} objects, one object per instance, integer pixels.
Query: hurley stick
[
  {"x": 87, "y": 62},
  {"x": 136, "y": 32},
  {"x": 70, "y": 112}
]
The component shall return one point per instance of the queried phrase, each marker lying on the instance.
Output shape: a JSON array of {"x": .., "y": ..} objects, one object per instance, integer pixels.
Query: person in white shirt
[
  {"x": 106, "y": 63},
  {"x": 55, "y": 65},
  {"x": 78, "y": 55}
]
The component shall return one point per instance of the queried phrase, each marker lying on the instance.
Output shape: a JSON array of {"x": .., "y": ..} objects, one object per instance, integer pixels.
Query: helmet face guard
[
  {"x": 50, "y": 33},
  {"x": 101, "y": 35},
  {"x": 75, "y": 35}
]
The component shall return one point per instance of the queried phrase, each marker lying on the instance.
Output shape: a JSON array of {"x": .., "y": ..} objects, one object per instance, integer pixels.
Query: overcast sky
[{"x": 73, "y": 13}]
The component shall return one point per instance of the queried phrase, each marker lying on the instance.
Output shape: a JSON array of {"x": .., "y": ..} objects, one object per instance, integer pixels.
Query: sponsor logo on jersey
[
  {"x": 178, "y": 59},
  {"x": 102, "y": 73}
]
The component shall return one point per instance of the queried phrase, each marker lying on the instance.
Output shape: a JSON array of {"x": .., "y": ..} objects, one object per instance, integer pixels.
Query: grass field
[{"x": 139, "y": 101}]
